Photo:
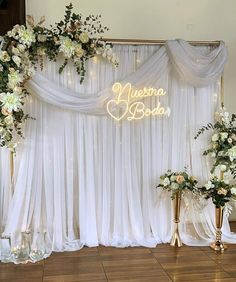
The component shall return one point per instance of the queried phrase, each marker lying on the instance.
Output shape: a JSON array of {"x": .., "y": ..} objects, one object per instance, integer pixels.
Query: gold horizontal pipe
[{"x": 158, "y": 42}]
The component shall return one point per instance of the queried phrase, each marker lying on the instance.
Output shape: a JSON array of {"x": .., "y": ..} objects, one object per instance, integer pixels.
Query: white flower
[
  {"x": 10, "y": 101},
  {"x": 1, "y": 68},
  {"x": 233, "y": 190},
  {"x": 26, "y": 36},
  {"x": 229, "y": 140},
  {"x": 174, "y": 186},
  {"x": 15, "y": 51},
  {"x": 8, "y": 120},
  {"x": 222, "y": 191},
  {"x": 84, "y": 38},
  {"x": 173, "y": 177},
  {"x": 223, "y": 135},
  {"x": 16, "y": 60},
  {"x": 41, "y": 51},
  {"x": 223, "y": 167},
  {"x": 67, "y": 47},
  {"x": 213, "y": 154},
  {"x": 21, "y": 48},
  {"x": 166, "y": 182},
  {"x": 79, "y": 51},
  {"x": 4, "y": 56},
  {"x": 42, "y": 37},
  {"x": 215, "y": 137},
  {"x": 232, "y": 153},
  {"x": 209, "y": 185},
  {"x": 14, "y": 31},
  {"x": 14, "y": 78}
]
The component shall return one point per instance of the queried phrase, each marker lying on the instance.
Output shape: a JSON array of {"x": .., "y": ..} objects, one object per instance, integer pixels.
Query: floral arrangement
[
  {"x": 223, "y": 142},
  {"x": 219, "y": 191},
  {"x": 23, "y": 48},
  {"x": 177, "y": 181}
]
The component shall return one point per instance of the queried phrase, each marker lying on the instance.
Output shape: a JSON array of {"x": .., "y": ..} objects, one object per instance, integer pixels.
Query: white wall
[{"x": 159, "y": 19}]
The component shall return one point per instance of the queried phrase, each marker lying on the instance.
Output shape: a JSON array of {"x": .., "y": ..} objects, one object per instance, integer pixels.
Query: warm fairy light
[{"x": 126, "y": 106}]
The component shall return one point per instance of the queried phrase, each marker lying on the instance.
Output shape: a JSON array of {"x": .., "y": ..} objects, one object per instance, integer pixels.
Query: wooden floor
[{"x": 163, "y": 263}]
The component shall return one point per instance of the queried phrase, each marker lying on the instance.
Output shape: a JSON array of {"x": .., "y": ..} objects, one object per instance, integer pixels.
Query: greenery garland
[
  {"x": 223, "y": 152},
  {"x": 22, "y": 49}
]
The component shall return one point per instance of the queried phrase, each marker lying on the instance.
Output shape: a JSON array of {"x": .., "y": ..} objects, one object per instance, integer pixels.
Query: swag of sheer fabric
[{"x": 87, "y": 180}]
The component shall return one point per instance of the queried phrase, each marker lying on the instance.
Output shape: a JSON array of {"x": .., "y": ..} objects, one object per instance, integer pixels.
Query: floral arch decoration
[{"x": 22, "y": 49}]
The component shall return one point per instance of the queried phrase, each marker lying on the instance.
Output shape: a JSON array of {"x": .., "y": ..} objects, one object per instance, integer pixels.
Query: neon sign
[{"x": 126, "y": 106}]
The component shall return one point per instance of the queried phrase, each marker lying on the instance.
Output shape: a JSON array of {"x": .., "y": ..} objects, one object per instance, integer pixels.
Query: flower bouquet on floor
[
  {"x": 176, "y": 183},
  {"x": 221, "y": 193}
]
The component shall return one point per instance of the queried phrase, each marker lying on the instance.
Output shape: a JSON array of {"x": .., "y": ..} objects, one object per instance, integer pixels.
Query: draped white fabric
[{"x": 87, "y": 180}]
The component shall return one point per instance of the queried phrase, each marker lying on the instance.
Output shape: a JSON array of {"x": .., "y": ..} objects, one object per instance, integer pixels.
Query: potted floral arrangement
[
  {"x": 176, "y": 183},
  {"x": 222, "y": 150},
  {"x": 221, "y": 193},
  {"x": 223, "y": 142}
]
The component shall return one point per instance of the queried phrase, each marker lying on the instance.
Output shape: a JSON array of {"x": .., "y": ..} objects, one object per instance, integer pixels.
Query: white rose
[
  {"x": 223, "y": 167},
  {"x": 4, "y": 56},
  {"x": 233, "y": 190},
  {"x": 213, "y": 154},
  {"x": 229, "y": 140},
  {"x": 166, "y": 182},
  {"x": 209, "y": 185},
  {"x": 16, "y": 60},
  {"x": 79, "y": 51},
  {"x": 215, "y": 137},
  {"x": 84, "y": 38}
]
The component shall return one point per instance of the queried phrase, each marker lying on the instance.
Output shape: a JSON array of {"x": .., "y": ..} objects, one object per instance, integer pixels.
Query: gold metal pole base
[
  {"x": 175, "y": 240},
  {"x": 218, "y": 246}
]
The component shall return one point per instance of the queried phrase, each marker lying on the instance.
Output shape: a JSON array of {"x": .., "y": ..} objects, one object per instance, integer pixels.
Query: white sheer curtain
[{"x": 87, "y": 180}]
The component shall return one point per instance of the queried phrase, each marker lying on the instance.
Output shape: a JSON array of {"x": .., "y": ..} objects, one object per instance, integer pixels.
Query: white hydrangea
[
  {"x": 14, "y": 78},
  {"x": 223, "y": 135},
  {"x": 67, "y": 46},
  {"x": 26, "y": 36},
  {"x": 174, "y": 186},
  {"x": 215, "y": 137},
  {"x": 10, "y": 101}
]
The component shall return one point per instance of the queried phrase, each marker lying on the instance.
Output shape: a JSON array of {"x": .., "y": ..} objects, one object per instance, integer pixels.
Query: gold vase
[
  {"x": 175, "y": 240},
  {"x": 218, "y": 245}
]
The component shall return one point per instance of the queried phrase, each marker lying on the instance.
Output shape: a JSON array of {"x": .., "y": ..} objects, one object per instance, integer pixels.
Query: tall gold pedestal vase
[
  {"x": 218, "y": 245},
  {"x": 176, "y": 240}
]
